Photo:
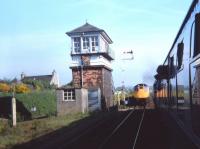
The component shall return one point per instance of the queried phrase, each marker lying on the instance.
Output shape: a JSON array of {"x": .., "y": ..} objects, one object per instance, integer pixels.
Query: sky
[{"x": 33, "y": 39}]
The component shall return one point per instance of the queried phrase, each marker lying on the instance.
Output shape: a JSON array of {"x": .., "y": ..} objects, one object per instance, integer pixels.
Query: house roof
[
  {"x": 42, "y": 78},
  {"x": 89, "y": 28}
]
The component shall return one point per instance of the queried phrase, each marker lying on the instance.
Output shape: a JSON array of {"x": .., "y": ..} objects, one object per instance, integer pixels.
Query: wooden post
[{"x": 14, "y": 114}]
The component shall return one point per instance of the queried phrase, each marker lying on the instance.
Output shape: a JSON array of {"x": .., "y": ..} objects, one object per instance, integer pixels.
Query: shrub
[
  {"x": 21, "y": 88},
  {"x": 4, "y": 87},
  {"x": 39, "y": 84}
]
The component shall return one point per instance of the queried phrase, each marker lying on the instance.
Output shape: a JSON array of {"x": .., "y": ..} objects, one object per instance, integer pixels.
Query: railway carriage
[{"x": 177, "y": 84}]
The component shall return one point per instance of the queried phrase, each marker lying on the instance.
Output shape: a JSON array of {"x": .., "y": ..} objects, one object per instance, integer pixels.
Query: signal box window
[
  {"x": 77, "y": 44},
  {"x": 94, "y": 43},
  {"x": 85, "y": 42}
]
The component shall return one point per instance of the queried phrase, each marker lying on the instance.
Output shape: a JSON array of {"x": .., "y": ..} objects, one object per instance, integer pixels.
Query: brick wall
[
  {"x": 76, "y": 74},
  {"x": 98, "y": 77},
  {"x": 92, "y": 77}
]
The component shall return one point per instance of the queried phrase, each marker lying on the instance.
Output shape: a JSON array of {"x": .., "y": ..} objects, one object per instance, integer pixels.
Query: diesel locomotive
[{"x": 140, "y": 94}]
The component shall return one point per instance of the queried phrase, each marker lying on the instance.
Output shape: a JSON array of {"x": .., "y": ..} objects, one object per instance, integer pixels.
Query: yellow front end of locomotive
[{"x": 141, "y": 94}]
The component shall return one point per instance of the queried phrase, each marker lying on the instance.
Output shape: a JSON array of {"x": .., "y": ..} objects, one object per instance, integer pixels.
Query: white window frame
[
  {"x": 95, "y": 43},
  {"x": 77, "y": 44},
  {"x": 86, "y": 43},
  {"x": 69, "y": 95}
]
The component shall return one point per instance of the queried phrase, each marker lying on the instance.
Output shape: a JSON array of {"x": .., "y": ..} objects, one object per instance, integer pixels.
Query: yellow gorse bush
[
  {"x": 4, "y": 87},
  {"x": 22, "y": 88}
]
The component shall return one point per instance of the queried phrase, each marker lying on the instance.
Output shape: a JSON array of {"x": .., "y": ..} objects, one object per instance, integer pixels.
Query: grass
[{"x": 25, "y": 131}]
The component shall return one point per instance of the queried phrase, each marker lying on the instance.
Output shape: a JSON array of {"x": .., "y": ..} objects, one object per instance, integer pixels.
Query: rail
[
  {"x": 115, "y": 130},
  {"x": 138, "y": 130},
  {"x": 102, "y": 145}
]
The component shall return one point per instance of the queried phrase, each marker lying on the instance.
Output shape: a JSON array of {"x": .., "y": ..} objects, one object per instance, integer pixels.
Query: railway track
[
  {"x": 125, "y": 135},
  {"x": 110, "y": 134},
  {"x": 132, "y": 129},
  {"x": 97, "y": 134}
]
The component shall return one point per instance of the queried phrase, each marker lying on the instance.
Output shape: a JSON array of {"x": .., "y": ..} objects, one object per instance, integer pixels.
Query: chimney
[
  {"x": 22, "y": 75},
  {"x": 54, "y": 72}
]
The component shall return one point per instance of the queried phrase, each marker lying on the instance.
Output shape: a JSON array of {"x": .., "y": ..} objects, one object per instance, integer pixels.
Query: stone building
[{"x": 91, "y": 62}]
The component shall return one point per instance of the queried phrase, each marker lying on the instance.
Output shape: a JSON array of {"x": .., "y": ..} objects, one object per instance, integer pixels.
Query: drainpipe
[{"x": 81, "y": 75}]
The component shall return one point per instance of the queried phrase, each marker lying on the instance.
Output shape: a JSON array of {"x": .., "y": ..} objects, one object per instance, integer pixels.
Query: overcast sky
[{"x": 33, "y": 39}]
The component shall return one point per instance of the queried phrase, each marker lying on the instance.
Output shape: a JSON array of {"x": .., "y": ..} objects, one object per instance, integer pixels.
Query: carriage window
[
  {"x": 171, "y": 67},
  {"x": 192, "y": 40},
  {"x": 197, "y": 35},
  {"x": 180, "y": 54}
]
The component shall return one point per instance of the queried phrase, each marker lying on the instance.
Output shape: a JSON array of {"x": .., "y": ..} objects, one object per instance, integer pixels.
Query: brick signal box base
[{"x": 93, "y": 78}]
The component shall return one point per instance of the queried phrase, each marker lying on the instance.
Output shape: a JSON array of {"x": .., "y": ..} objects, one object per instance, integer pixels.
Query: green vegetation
[
  {"x": 44, "y": 101},
  {"x": 39, "y": 84},
  {"x": 25, "y": 131},
  {"x": 38, "y": 96},
  {"x": 2, "y": 94}
]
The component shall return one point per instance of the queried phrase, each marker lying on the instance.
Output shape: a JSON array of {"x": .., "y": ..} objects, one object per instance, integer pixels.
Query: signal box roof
[{"x": 88, "y": 28}]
